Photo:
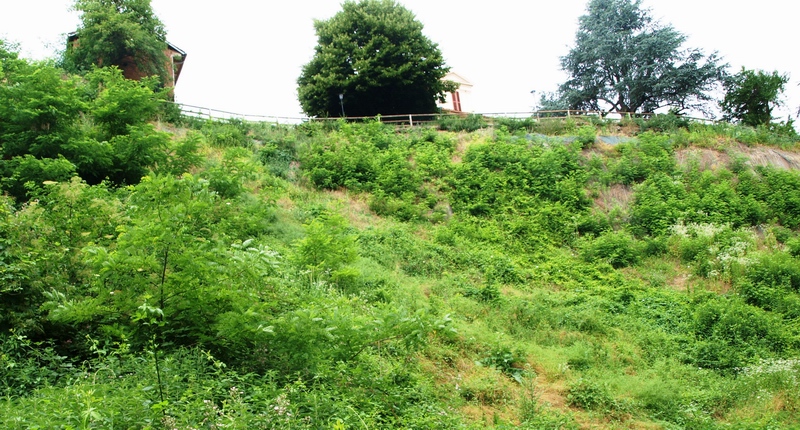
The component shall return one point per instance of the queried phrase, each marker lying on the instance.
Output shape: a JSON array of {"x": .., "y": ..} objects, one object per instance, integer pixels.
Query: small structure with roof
[{"x": 459, "y": 100}]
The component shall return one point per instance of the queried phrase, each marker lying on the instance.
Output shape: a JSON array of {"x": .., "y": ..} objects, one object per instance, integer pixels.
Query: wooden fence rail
[{"x": 417, "y": 119}]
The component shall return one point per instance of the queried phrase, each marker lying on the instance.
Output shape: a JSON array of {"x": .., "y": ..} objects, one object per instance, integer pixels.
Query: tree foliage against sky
[
  {"x": 54, "y": 126},
  {"x": 114, "y": 32},
  {"x": 750, "y": 96},
  {"x": 624, "y": 61},
  {"x": 374, "y": 53}
]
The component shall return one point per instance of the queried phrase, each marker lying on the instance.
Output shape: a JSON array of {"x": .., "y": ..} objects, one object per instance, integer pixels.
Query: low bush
[
  {"x": 732, "y": 335},
  {"x": 227, "y": 133},
  {"x": 617, "y": 248},
  {"x": 586, "y": 136},
  {"x": 590, "y": 395},
  {"x": 469, "y": 123},
  {"x": 517, "y": 125}
]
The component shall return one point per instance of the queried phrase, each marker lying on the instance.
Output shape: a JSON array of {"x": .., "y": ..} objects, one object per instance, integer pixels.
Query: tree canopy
[
  {"x": 751, "y": 95},
  {"x": 54, "y": 126},
  {"x": 624, "y": 61},
  {"x": 117, "y": 32},
  {"x": 374, "y": 54}
]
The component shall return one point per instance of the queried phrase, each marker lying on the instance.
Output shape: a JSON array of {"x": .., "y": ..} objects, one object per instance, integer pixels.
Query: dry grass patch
[
  {"x": 713, "y": 159},
  {"x": 286, "y": 203},
  {"x": 355, "y": 209},
  {"x": 465, "y": 140},
  {"x": 176, "y": 132},
  {"x": 707, "y": 159},
  {"x": 614, "y": 196}
]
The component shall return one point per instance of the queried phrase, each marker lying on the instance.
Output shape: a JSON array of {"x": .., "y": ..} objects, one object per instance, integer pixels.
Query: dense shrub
[
  {"x": 228, "y": 177},
  {"x": 658, "y": 203},
  {"x": 28, "y": 365},
  {"x": 619, "y": 249},
  {"x": 732, "y": 334},
  {"x": 772, "y": 282},
  {"x": 279, "y": 150},
  {"x": 586, "y": 136},
  {"x": 711, "y": 250},
  {"x": 648, "y": 155},
  {"x": 97, "y": 123},
  {"x": 783, "y": 195},
  {"x": 516, "y": 125},
  {"x": 517, "y": 174},
  {"x": 327, "y": 246},
  {"x": 22, "y": 174},
  {"x": 40, "y": 247},
  {"x": 336, "y": 162},
  {"x": 590, "y": 395}
]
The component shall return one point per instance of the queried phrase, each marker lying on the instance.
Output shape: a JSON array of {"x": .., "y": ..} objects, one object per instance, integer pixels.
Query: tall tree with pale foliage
[{"x": 624, "y": 61}]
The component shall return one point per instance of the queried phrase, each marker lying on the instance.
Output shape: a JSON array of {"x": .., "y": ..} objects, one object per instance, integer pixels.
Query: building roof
[
  {"x": 177, "y": 65},
  {"x": 455, "y": 77}
]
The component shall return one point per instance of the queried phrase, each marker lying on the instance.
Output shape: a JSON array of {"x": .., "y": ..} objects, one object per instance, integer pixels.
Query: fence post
[{"x": 410, "y": 120}]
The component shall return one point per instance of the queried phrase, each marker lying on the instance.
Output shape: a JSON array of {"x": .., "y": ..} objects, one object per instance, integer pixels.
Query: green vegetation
[
  {"x": 623, "y": 61},
  {"x": 118, "y": 33},
  {"x": 221, "y": 273},
  {"x": 751, "y": 95},
  {"x": 52, "y": 128},
  {"x": 374, "y": 56}
]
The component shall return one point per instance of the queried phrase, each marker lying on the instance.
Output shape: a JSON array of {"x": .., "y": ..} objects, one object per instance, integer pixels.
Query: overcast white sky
[{"x": 245, "y": 56}]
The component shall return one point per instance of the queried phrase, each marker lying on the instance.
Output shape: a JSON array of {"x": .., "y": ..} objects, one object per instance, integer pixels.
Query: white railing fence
[{"x": 417, "y": 119}]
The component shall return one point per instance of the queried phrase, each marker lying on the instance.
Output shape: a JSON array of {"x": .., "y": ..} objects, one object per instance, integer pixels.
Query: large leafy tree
[
  {"x": 751, "y": 95},
  {"x": 38, "y": 108},
  {"x": 52, "y": 126},
  {"x": 372, "y": 52},
  {"x": 116, "y": 33},
  {"x": 624, "y": 61}
]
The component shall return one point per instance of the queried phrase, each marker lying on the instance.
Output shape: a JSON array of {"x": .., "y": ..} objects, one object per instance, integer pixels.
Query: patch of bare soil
[
  {"x": 680, "y": 282},
  {"x": 706, "y": 158},
  {"x": 754, "y": 156},
  {"x": 774, "y": 157},
  {"x": 550, "y": 395}
]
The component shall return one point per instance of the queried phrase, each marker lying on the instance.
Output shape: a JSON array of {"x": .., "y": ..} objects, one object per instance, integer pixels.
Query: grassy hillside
[{"x": 342, "y": 275}]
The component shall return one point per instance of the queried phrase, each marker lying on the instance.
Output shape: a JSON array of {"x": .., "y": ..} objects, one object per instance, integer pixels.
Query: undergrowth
[{"x": 356, "y": 275}]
